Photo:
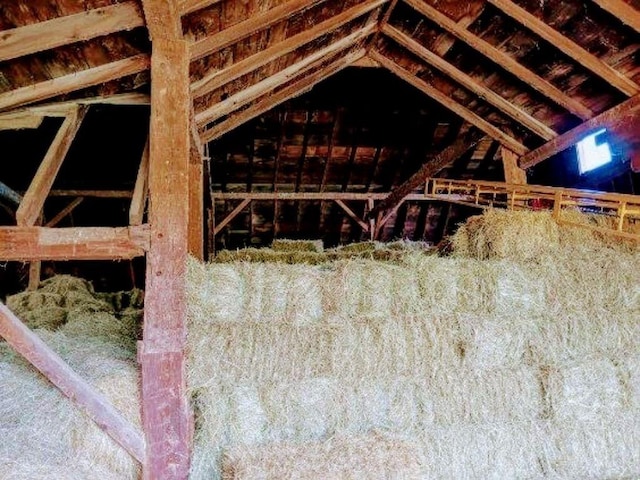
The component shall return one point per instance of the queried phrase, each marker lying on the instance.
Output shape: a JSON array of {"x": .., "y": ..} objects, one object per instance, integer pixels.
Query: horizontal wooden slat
[
  {"x": 220, "y": 77},
  {"x": 79, "y": 243},
  {"x": 189, "y": 6},
  {"x": 626, "y": 112},
  {"x": 494, "y": 132},
  {"x": 74, "y": 81},
  {"x": 213, "y": 43},
  {"x": 37, "y": 37}
]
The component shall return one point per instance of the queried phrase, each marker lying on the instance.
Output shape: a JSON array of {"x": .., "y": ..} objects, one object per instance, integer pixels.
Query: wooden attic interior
[{"x": 285, "y": 118}]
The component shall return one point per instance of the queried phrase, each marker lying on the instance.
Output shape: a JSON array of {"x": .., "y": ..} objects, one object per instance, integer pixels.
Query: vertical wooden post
[
  {"x": 196, "y": 210},
  {"x": 513, "y": 174},
  {"x": 167, "y": 417}
]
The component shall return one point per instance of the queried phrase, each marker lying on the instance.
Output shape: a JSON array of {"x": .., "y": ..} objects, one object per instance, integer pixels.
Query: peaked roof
[{"x": 525, "y": 72}]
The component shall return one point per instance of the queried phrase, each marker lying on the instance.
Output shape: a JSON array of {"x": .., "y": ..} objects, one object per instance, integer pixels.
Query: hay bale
[
  {"x": 607, "y": 447},
  {"x": 373, "y": 456},
  {"x": 514, "y": 235},
  {"x": 585, "y": 391},
  {"x": 487, "y": 450},
  {"x": 286, "y": 245}
]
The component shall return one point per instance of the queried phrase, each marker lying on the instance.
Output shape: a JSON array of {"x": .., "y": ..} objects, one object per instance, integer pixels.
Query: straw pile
[
  {"x": 43, "y": 434},
  {"x": 496, "y": 362},
  {"x": 373, "y": 456}
]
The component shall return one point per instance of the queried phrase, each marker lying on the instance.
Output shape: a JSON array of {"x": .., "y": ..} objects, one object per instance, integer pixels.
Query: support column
[{"x": 167, "y": 418}]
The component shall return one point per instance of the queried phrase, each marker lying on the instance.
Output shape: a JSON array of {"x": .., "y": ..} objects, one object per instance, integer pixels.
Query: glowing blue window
[{"x": 593, "y": 151}]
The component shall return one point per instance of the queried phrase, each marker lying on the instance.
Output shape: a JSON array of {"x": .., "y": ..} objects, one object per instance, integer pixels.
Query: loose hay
[
  {"x": 285, "y": 245},
  {"x": 374, "y": 456}
]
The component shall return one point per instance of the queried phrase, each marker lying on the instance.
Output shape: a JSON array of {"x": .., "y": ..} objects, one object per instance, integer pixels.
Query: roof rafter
[
  {"x": 505, "y": 61},
  {"x": 428, "y": 169},
  {"x": 628, "y": 111},
  {"x": 494, "y": 132},
  {"x": 37, "y": 37},
  {"x": 74, "y": 81},
  {"x": 189, "y": 6},
  {"x": 253, "y": 92},
  {"x": 267, "y": 102},
  {"x": 623, "y": 11},
  {"x": 568, "y": 46},
  {"x": 220, "y": 77},
  {"x": 469, "y": 83},
  {"x": 218, "y": 41}
]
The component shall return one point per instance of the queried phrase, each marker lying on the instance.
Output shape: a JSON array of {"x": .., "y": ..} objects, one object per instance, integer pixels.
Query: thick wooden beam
[
  {"x": 266, "y": 103},
  {"x": 190, "y": 6},
  {"x": 19, "y": 121},
  {"x": 623, "y": 11},
  {"x": 163, "y": 19},
  {"x": 504, "y": 60},
  {"x": 31, "y": 206},
  {"x": 627, "y": 112},
  {"x": 37, "y": 37},
  {"x": 27, "y": 244},
  {"x": 140, "y": 190},
  {"x": 74, "y": 81},
  {"x": 220, "y": 77},
  {"x": 428, "y": 169},
  {"x": 512, "y": 172},
  {"x": 451, "y": 104},
  {"x": 233, "y": 34},
  {"x": 73, "y": 386},
  {"x": 568, "y": 46},
  {"x": 253, "y": 92},
  {"x": 167, "y": 417},
  {"x": 519, "y": 115}
]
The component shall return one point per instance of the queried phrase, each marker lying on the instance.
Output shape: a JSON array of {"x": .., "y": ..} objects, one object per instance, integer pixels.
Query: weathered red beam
[
  {"x": 79, "y": 243},
  {"x": 81, "y": 393}
]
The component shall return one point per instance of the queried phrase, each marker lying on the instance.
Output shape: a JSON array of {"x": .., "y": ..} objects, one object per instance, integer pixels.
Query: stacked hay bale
[
  {"x": 501, "y": 361},
  {"x": 43, "y": 434}
]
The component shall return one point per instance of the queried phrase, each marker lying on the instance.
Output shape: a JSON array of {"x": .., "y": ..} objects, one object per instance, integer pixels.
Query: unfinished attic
[{"x": 319, "y": 239}]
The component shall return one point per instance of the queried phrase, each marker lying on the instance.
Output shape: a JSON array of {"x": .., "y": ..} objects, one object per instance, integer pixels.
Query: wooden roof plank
[
  {"x": 253, "y": 92},
  {"x": 568, "y": 46},
  {"x": 220, "y": 77},
  {"x": 31, "y": 206},
  {"x": 437, "y": 95},
  {"x": 37, "y": 37},
  {"x": 74, "y": 81},
  {"x": 624, "y": 113},
  {"x": 267, "y": 102},
  {"x": 505, "y": 61},
  {"x": 469, "y": 83},
  {"x": 622, "y": 10},
  {"x": 213, "y": 43}
]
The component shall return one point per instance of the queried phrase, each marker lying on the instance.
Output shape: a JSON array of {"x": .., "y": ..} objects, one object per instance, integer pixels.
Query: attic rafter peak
[{"x": 218, "y": 78}]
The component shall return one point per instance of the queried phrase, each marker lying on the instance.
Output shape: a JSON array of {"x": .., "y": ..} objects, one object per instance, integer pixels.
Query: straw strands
[
  {"x": 498, "y": 361},
  {"x": 373, "y": 456}
]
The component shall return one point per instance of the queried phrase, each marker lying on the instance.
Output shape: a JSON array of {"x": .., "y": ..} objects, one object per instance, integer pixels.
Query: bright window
[{"x": 593, "y": 151}]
